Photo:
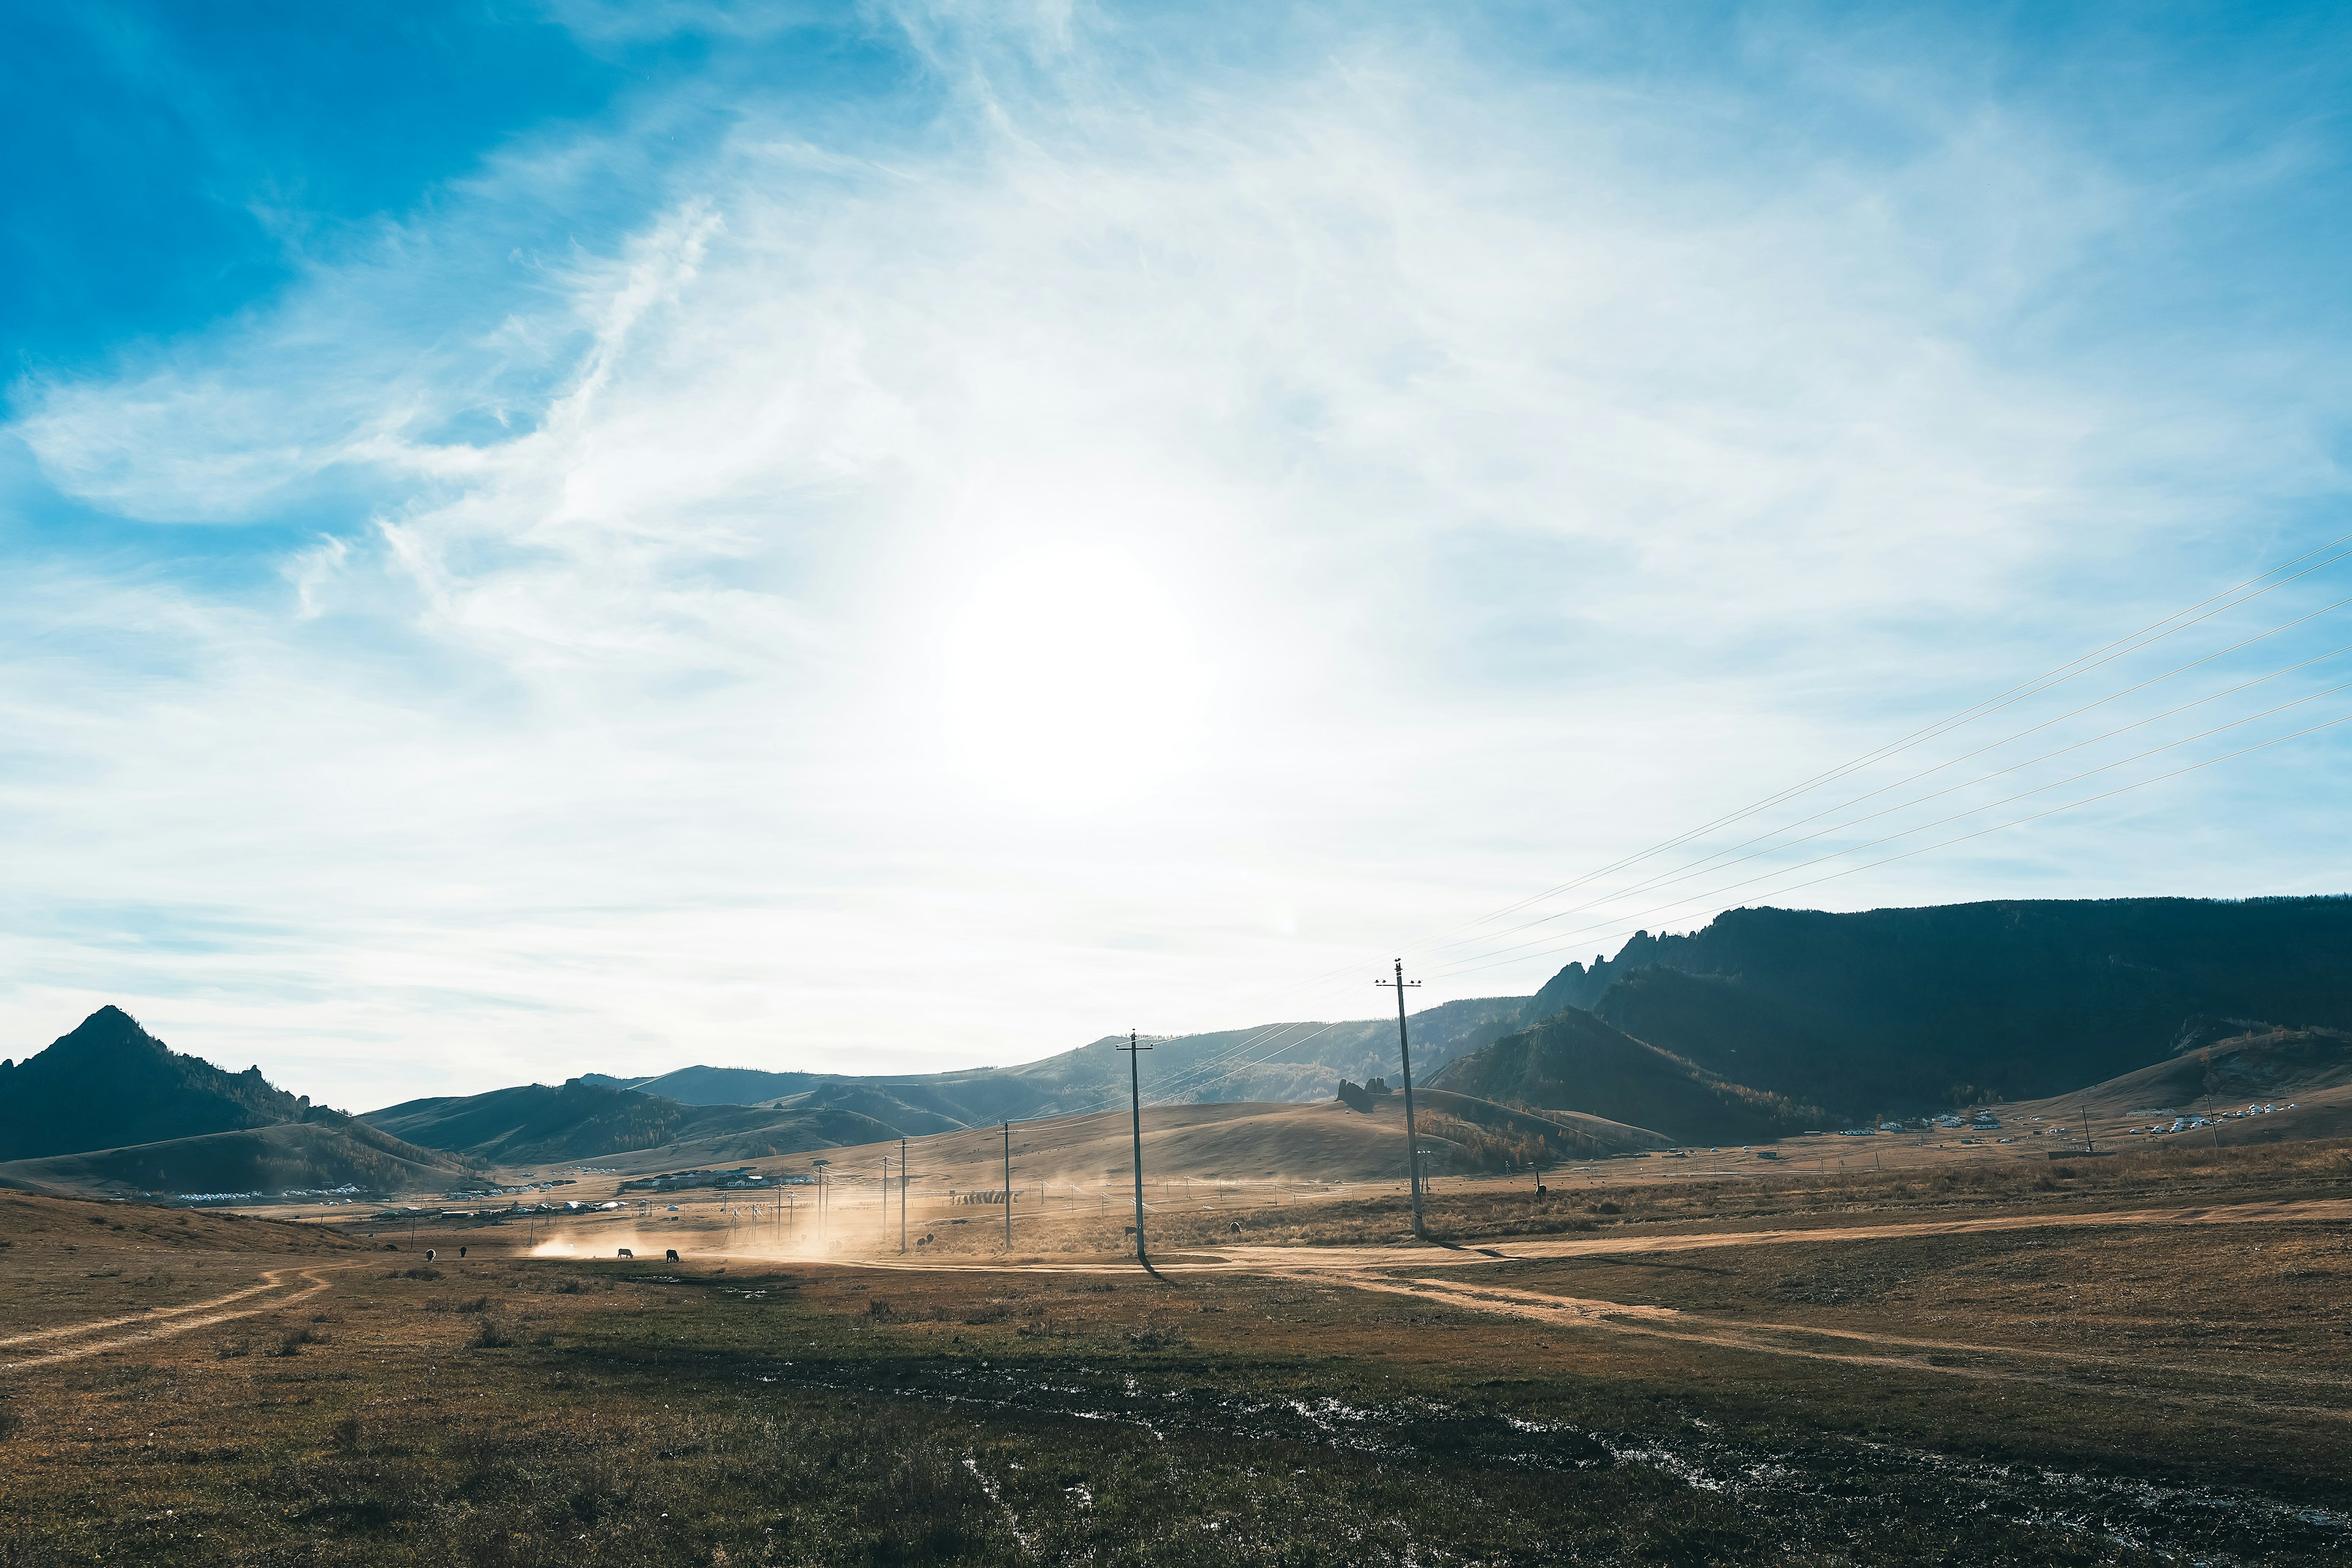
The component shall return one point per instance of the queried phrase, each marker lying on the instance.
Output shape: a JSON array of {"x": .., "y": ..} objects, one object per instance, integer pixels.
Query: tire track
[
  {"x": 153, "y": 1315},
  {"x": 1347, "y": 1260},
  {"x": 184, "y": 1321},
  {"x": 1770, "y": 1339}
]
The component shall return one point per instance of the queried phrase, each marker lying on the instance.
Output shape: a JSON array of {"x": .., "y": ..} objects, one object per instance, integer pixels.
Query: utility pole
[
  {"x": 902, "y": 1194},
  {"x": 2091, "y": 1148},
  {"x": 1008, "y": 1186},
  {"x": 1135, "y": 1105},
  {"x": 1412, "y": 1138},
  {"x": 819, "y": 1166}
]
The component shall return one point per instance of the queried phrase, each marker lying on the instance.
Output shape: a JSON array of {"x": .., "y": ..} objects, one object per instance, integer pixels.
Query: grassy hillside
[
  {"x": 2226, "y": 1065},
  {"x": 1898, "y": 1010},
  {"x": 321, "y": 1155},
  {"x": 1297, "y": 1062},
  {"x": 111, "y": 1083},
  {"x": 1574, "y": 1061},
  {"x": 535, "y": 1124}
]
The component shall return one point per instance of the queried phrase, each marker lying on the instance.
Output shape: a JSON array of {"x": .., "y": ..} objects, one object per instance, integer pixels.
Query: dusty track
[
  {"x": 1302, "y": 1261},
  {"x": 168, "y": 1321},
  {"x": 1790, "y": 1338},
  {"x": 1373, "y": 1269}
]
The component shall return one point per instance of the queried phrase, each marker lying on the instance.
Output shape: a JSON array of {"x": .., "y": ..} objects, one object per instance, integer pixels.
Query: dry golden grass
[{"x": 2109, "y": 1393}]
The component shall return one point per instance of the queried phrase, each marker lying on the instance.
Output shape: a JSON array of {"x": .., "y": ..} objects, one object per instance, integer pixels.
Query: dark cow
[
  {"x": 430, "y": 1255},
  {"x": 626, "y": 1253},
  {"x": 461, "y": 1252},
  {"x": 673, "y": 1255}
]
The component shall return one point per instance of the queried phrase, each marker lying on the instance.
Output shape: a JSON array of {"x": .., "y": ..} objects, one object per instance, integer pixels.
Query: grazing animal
[
  {"x": 626, "y": 1253},
  {"x": 673, "y": 1255},
  {"x": 1237, "y": 1227},
  {"x": 430, "y": 1255},
  {"x": 461, "y": 1252}
]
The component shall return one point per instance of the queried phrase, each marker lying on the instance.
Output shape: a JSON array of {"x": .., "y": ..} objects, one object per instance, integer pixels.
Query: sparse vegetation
[{"x": 2068, "y": 1396}]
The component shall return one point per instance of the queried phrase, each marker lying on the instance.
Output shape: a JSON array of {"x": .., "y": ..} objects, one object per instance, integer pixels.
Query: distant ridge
[
  {"x": 1574, "y": 1062},
  {"x": 1298, "y": 1062},
  {"x": 1898, "y": 1011},
  {"x": 537, "y": 1124}
]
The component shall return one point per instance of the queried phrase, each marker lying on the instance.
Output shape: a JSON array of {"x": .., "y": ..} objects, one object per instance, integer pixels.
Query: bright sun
[{"x": 1072, "y": 679}]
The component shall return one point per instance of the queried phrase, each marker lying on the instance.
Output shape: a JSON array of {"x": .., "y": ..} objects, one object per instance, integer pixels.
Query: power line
[
  {"x": 1135, "y": 1049},
  {"x": 1717, "y": 861},
  {"x": 1412, "y": 1136},
  {"x": 2080, "y": 665},
  {"x": 1962, "y": 838},
  {"x": 1330, "y": 982}
]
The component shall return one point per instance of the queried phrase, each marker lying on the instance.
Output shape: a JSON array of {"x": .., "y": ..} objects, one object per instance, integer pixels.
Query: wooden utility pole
[
  {"x": 1135, "y": 1104},
  {"x": 1411, "y": 1138},
  {"x": 902, "y": 1194},
  {"x": 1008, "y": 1186}
]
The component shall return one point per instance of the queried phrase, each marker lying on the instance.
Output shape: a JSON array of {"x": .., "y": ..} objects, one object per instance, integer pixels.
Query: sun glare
[{"x": 1071, "y": 680}]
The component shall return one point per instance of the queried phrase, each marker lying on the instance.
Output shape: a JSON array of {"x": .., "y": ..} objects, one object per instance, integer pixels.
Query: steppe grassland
[{"x": 2118, "y": 1385}]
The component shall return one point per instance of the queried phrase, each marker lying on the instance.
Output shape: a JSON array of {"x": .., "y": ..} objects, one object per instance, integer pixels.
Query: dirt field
[{"x": 2139, "y": 1360}]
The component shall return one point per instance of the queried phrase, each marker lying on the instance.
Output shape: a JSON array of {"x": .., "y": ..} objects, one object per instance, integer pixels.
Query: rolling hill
[
  {"x": 1573, "y": 1061},
  {"x": 536, "y": 1125},
  {"x": 1296, "y": 1062},
  {"x": 326, "y": 1153},
  {"x": 2226, "y": 1065},
  {"x": 1897, "y": 1011}
]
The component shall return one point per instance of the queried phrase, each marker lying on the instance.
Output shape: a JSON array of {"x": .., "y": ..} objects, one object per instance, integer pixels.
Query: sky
[{"x": 551, "y": 538}]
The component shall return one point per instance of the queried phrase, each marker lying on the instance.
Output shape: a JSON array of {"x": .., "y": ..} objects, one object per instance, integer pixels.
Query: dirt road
[
  {"x": 165, "y": 1323},
  {"x": 1380, "y": 1270},
  {"x": 1304, "y": 1260}
]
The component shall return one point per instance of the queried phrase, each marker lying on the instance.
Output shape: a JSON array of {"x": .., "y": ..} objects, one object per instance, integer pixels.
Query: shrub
[{"x": 489, "y": 1336}]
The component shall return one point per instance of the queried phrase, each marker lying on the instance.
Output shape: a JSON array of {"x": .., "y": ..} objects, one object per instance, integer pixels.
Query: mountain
[
  {"x": 535, "y": 1124},
  {"x": 111, "y": 1108},
  {"x": 329, "y": 1152},
  {"x": 1898, "y": 1011},
  {"x": 1573, "y": 1061},
  {"x": 109, "y": 1083},
  {"x": 1294, "y": 1062}
]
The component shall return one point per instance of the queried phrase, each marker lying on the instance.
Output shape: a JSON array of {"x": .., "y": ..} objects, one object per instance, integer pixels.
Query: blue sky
[{"x": 556, "y": 537}]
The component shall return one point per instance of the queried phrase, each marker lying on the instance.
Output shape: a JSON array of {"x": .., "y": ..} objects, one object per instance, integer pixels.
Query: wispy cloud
[{"x": 1353, "y": 487}]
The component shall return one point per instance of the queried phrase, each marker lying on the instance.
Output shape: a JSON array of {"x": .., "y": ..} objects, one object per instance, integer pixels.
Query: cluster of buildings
[
  {"x": 739, "y": 1178},
  {"x": 2191, "y": 1121}
]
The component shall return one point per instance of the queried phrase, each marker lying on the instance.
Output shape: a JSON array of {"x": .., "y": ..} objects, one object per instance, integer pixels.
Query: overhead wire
[
  {"x": 2229, "y": 598},
  {"x": 1712, "y": 893},
  {"x": 2036, "y": 816},
  {"x": 2097, "y": 657},
  {"x": 1189, "y": 1080},
  {"x": 1717, "y": 860}
]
